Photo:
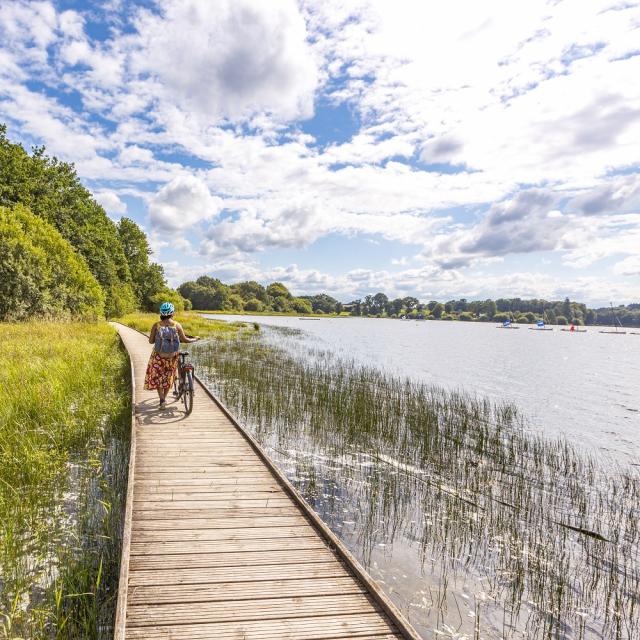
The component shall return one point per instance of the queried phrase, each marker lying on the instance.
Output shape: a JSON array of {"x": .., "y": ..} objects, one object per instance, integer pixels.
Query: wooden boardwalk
[{"x": 217, "y": 543}]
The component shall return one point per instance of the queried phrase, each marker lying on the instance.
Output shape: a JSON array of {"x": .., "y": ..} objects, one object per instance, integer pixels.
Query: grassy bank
[
  {"x": 192, "y": 323},
  {"x": 502, "y": 532},
  {"x": 64, "y": 444}
]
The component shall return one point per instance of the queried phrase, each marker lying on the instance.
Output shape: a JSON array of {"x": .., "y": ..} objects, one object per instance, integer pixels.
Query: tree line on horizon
[
  {"x": 211, "y": 294},
  {"x": 62, "y": 256}
]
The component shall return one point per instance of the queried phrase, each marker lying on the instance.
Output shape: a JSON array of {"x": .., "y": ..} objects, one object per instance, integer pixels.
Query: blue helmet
[{"x": 166, "y": 309}]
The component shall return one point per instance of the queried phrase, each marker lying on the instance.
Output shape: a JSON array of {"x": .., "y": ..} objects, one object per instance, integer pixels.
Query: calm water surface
[{"x": 584, "y": 386}]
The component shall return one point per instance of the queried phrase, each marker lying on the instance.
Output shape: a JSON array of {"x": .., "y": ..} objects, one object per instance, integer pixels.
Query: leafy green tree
[
  {"x": 235, "y": 302},
  {"x": 206, "y": 293},
  {"x": 380, "y": 301},
  {"x": 147, "y": 277},
  {"x": 409, "y": 302},
  {"x": 438, "y": 310},
  {"x": 322, "y": 302},
  {"x": 52, "y": 190},
  {"x": 168, "y": 295},
  {"x": 253, "y": 305},
  {"x": 250, "y": 289},
  {"x": 567, "y": 311},
  {"x": 299, "y": 305},
  {"x": 40, "y": 273},
  {"x": 277, "y": 289},
  {"x": 561, "y": 320}
]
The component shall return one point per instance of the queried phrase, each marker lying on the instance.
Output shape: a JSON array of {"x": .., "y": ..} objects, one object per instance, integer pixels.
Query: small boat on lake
[
  {"x": 507, "y": 325},
  {"x": 616, "y": 323},
  {"x": 540, "y": 326},
  {"x": 574, "y": 329}
]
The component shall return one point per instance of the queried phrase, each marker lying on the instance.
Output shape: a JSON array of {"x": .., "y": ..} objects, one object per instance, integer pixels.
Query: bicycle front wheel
[{"x": 187, "y": 392}]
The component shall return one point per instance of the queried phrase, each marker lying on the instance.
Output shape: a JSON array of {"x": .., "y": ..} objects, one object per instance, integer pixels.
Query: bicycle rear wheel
[{"x": 187, "y": 392}]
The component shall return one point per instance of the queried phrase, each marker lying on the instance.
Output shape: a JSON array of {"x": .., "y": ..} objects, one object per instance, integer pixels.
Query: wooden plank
[
  {"x": 235, "y": 533},
  {"x": 370, "y": 625},
  {"x": 189, "y": 547},
  {"x": 243, "y": 559},
  {"x": 229, "y": 522},
  {"x": 329, "y": 568},
  {"x": 263, "y": 609},
  {"x": 234, "y": 591}
]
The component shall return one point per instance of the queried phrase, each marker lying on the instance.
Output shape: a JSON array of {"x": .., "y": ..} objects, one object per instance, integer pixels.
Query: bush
[
  {"x": 253, "y": 305},
  {"x": 169, "y": 295},
  {"x": 301, "y": 306},
  {"x": 465, "y": 316},
  {"x": 40, "y": 273},
  {"x": 561, "y": 320}
]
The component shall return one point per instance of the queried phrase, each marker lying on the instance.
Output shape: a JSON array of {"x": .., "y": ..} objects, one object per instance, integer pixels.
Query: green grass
[
  {"x": 192, "y": 323},
  {"x": 64, "y": 445}
]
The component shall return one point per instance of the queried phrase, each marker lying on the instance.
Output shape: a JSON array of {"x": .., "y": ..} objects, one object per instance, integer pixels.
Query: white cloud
[
  {"x": 182, "y": 203},
  {"x": 630, "y": 266},
  {"x": 228, "y": 59},
  {"x": 110, "y": 201}
]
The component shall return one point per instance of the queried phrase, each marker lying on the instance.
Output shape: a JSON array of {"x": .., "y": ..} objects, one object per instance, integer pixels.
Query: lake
[
  {"x": 486, "y": 479},
  {"x": 583, "y": 386}
]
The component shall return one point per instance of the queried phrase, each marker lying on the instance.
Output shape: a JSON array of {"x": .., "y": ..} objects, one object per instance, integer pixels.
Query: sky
[{"x": 434, "y": 149}]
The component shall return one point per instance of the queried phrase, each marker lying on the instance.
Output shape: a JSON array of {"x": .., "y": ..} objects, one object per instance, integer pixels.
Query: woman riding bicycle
[{"x": 166, "y": 336}]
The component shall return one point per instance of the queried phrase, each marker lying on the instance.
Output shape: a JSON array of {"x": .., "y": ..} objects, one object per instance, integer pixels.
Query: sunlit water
[{"x": 584, "y": 386}]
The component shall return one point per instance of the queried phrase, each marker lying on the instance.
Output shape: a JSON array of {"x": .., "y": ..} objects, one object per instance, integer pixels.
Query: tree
[
  {"x": 301, "y": 306},
  {"x": 566, "y": 310},
  {"x": 277, "y": 289},
  {"x": 253, "y": 304},
  {"x": 147, "y": 277},
  {"x": 206, "y": 293},
  {"x": 322, "y": 302},
  {"x": 409, "y": 302},
  {"x": 168, "y": 295},
  {"x": 438, "y": 310},
  {"x": 490, "y": 308},
  {"x": 561, "y": 320},
  {"x": 380, "y": 301},
  {"x": 40, "y": 272},
  {"x": 250, "y": 289},
  {"x": 52, "y": 191}
]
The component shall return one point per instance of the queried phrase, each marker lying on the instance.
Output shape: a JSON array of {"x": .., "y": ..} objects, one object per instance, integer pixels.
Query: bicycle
[{"x": 183, "y": 386}]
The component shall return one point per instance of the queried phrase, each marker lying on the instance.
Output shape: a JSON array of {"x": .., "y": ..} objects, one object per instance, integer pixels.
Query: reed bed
[
  {"x": 476, "y": 526},
  {"x": 64, "y": 446}
]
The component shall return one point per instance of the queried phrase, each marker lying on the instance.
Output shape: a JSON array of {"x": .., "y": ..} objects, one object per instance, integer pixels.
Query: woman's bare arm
[
  {"x": 152, "y": 334},
  {"x": 182, "y": 335}
]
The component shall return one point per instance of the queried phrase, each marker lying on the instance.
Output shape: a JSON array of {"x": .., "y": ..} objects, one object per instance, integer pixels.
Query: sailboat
[
  {"x": 616, "y": 324},
  {"x": 507, "y": 325},
  {"x": 540, "y": 326}
]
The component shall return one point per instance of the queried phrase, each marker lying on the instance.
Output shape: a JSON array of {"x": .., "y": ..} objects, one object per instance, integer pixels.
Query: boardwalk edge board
[
  {"x": 377, "y": 594},
  {"x": 121, "y": 605}
]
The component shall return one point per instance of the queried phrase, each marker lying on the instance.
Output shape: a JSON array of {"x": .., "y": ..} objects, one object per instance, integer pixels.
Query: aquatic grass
[
  {"x": 511, "y": 534},
  {"x": 64, "y": 445}
]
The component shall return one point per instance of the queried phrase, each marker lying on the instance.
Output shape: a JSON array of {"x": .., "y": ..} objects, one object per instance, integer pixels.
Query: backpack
[{"x": 167, "y": 341}]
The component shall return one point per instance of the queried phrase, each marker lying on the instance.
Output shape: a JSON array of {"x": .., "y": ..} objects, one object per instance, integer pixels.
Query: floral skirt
[{"x": 160, "y": 372}]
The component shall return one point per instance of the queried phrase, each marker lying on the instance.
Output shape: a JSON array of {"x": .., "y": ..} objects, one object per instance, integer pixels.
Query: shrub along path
[{"x": 219, "y": 545}]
